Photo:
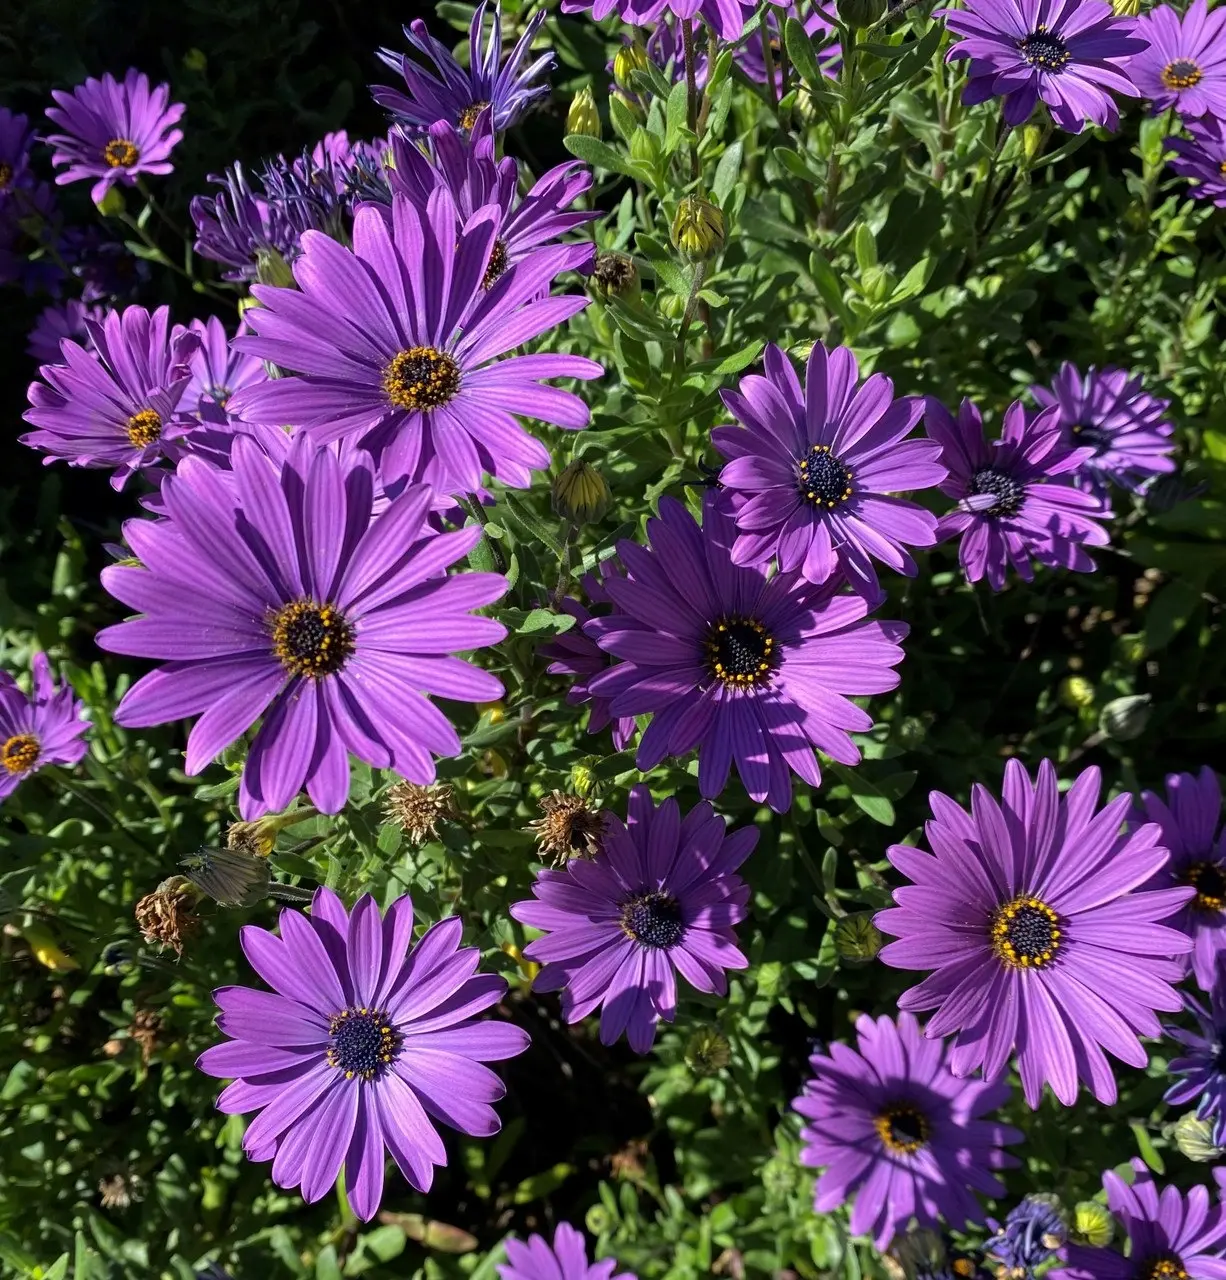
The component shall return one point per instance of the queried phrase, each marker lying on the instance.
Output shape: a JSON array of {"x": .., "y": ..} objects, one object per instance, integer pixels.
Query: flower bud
[
  {"x": 582, "y": 780},
  {"x": 1126, "y": 8},
  {"x": 271, "y": 268},
  {"x": 645, "y": 148},
  {"x": 1194, "y": 1138},
  {"x": 860, "y": 13},
  {"x": 1032, "y": 138},
  {"x": 598, "y": 1220},
  {"x": 1092, "y": 1224},
  {"x": 616, "y": 276},
  {"x": 195, "y": 60},
  {"x": 628, "y": 59},
  {"x": 857, "y": 939},
  {"x": 1124, "y": 719},
  {"x": 698, "y": 228},
  {"x": 879, "y": 283},
  {"x": 707, "y": 1053},
  {"x": 1076, "y": 692},
  {"x": 112, "y": 203},
  {"x": 583, "y": 117},
  {"x": 581, "y": 493}
]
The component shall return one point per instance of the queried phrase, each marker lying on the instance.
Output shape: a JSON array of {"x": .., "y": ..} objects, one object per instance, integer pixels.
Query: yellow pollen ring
[
  {"x": 144, "y": 428},
  {"x": 887, "y": 1126},
  {"x": 468, "y": 117},
  {"x": 421, "y": 378},
  {"x": 1027, "y": 913},
  {"x": 311, "y": 640},
  {"x": 121, "y": 153},
  {"x": 20, "y": 753},
  {"x": 1182, "y": 73}
]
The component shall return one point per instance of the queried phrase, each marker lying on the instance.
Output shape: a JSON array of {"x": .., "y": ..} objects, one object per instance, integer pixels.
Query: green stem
[{"x": 691, "y": 92}]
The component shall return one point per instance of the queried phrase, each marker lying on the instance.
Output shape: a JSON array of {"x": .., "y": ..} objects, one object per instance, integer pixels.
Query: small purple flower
[
  {"x": 1030, "y": 914},
  {"x": 270, "y": 591},
  {"x": 1170, "y": 1235},
  {"x": 42, "y": 728},
  {"x": 116, "y": 403},
  {"x": 54, "y": 324},
  {"x": 459, "y": 94},
  {"x": 812, "y": 471},
  {"x": 742, "y": 665},
  {"x": 105, "y": 268},
  {"x": 1033, "y": 1233},
  {"x": 364, "y": 1044},
  {"x": 576, "y": 653},
  {"x": 661, "y": 898},
  {"x": 1203, "y": 1064},
  {"x": 1069, "y": 54},
  {"x": 1202, "y": 158},
  {"x": 398, "y": 346},
  {"x": 113, "y": 131},
  {"x": 565, "y": 1259},
  {"x": 893, "y": 1127},
  {"x": 1189, "y": 819},
  {"x": 1016, "y": 498},
  {"x": 15, "y": 138},
  {"x": 1185, "y": 64},
  {"x": 1108, "y": 411},
  {"x": 726, "y": 17},
  {"x": 218, "y": 371}
]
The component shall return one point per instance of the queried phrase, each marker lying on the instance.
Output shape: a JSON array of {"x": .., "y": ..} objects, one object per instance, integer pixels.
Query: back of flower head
[{"x": 1032, "y": 1234}]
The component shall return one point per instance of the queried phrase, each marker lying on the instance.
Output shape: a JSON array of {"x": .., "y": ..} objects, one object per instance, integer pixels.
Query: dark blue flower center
[
  {"x": 902, "y": 1127},
  {"x": 1008, "y": 492},
  {"x": 1025, "y": 933},
  {"x": 1209, "y": 881},
  {"x": 363, "y": 1044},
  {"x": 1181, "y": 73},
  {"x": 1042, "y": 49},
  {"x": 1087, "y": 435},
  {"x": 421, "y": 378},
  {"x": 739, "y": 651},
  {"x": 1166, "y": 1266},
  {"x": 654, "y": 919},
  {"x": 311, "y": 639},
  {"x": 822, "y": 479}
]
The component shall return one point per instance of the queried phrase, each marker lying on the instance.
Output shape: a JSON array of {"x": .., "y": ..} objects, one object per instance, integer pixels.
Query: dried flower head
[
  {"x": 115, "y": 1191},
  {"x": 145, "y": 1029},
  {"x": 417, "y": 811},
  {"x": 250, "y": 837},
  {"x": 570, "y": 828},
  {"x": 165, "y": 916},
  {"x": 630, "y": 1163}
]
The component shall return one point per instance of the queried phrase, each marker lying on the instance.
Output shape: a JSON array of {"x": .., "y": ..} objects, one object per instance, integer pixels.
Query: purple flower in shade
[
  {"x": 811, "y": 471},
  {"x": 1202, "y": 157},
  {"x": 1069, "y": 54},
  {"x": 1185, "y": 64},
  {"x": 742, "y": 665},
  {"x": 15, "y": 138},
  {"x": 1108, "y": 411},
  {"x": 662, "y": 897},
  {"x": 468, "y": 170},
  {"x": 54, "y": 324},
  {"x": 398, "y": 345},
  {"x": 364, "y": 1043},
  {"x": 459, "y": 94},
  {"x": 1032, "y": 1234},
  {"x": 1170, "y": 1235},
  {"x": 726, "y": 17},
  {"x": 239, "y": 226},
  {"x": 1029, "y": 912},
  {"x": 1016, "y": 498},
  {"x": 751, "y": 59},
  {"x": 218, "y": 371},
  {"x": 42, "y": 728},
  {"x": 271, "y": 590},
  {"x": 1189, "y": 819},
  {"x": 116, "y": 403},
  {"x": 1203, "y": 1064},
  {"x": 575, "y": 653},
  {"x": 565, "y": 1259},
  {"x": 113, "y": 131},
  {"x": 893, "y": 1127},
  {"x": 29, "y": 228},
  {"x": 107, "y": 271}
]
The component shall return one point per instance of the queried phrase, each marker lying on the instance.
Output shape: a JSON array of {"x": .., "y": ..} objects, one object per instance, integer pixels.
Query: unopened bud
[
  {"x": 1194, "y": 1138},
  {"x": 1032, "y": 139},
  {"x": 1126, "y": 8},
  {"x": 582, "y": 779},
  {"x": 195, "y": 60},
  {"x": 616, "y": 276},
  {"x": 583, "y": 117},
  {"x": 271, "y": 268},
  {"x": 628, "y": 59},
  {"x": 707, "y": 1052},
  {"x": 581, "y": 493},
  {"x": 1076, "y": 692},
  {"x": 1124, "y": 719},
  {"x": 698, "y": 228},
  {"x": 860, "y": 13},
  {"x": 857, "y": 939},
  {"x": 878, "y": 283},
  {"x": 1092, "y": 1224},
  {"x": 112, "y": 203}
]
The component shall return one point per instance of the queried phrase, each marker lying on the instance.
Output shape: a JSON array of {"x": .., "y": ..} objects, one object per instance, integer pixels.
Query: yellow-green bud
[
  {"x": 860, "y": 13},
  {"x": 645, "y": 147},
  {"x": 271, "y": 268},
  {"x": 1092, "y": 1224},
  {"x": 195, "y": 60},
  {"x": 1124, "y": 719},
  {"x": 112, "y": 203},
  {"x": 707, "y": 1052},
  {"x": 698, "y": 228},
  {"x": 857, "y": 939},
  {"x": 616, "y": 276},
  {"x": 583, "y": 117},
  {"x": 245, "y": 304},
  {"x": 581, "y": 493},
  {"x": 1032, "y": 138},
  {"x": 629, "y": 58},
  {"x": 582, "y": 779},
  {"x": 878, "y": 283},
  {"x": 1126, "y": 8},
  {"x": 1131, "y": 649},
  {"x": 1076, "y": 692},
  {"x": 598, "y": 1219},
  {"x": 1194, "y": 1138}
]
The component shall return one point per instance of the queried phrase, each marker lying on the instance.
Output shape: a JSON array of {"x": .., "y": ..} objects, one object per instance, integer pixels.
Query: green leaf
[
  {"x": 601, "y": 156},
  {"x": 675, "y": 116},
  {"x": 1168, "y": 613},
  {"x": 800, "y": 49},
  {"x": 727, "y": 172},
  {"x": 531, "y": 621},
  {"x": 530, "y": 523},
  {"x": 1146, "y": 1147},
  {"x": 866, "y": 247}
]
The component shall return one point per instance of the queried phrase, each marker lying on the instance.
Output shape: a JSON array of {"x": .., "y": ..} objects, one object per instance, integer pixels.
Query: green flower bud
[
  {"x": 1131, "y": 649},
  {"x": 1092, "y": 1224},
  {"x": 629, "y": 58},
  {"x": 911, "y": 732},
  {"x": 645, "y": 148},
  {"x": 582, "y": 779},
  {"x": 616, "y": 276},
  {"x": 1032, "y": 137},
  {"x": 1124, "y": 719},
  {"x": 195, "y": 60},
  {"x": 1194, "y": 1138},
  {"x": 707, "y": 1052},
  {"x": 857, "y": 939},
  {"x": 860, "y": 13},
  {"x": 1126, "y": 8},
  {"x": 1076, "y": 692},
  {"x": 698, "y": 228},
  {"x": 581, "y": 493},
  {"x": 271, "y": 268},
  {"x": 245, "y": 304},
  {"x": 112, "y": 203},
  {"x": 879, "y": 283},
  {"x": 583, "y": 117},
  {"x": 598, "y": 1220}
]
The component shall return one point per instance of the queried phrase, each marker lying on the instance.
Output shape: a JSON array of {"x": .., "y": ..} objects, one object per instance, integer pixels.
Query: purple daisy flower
[
  {"x": 565, "y": 1259},
  {"x": 240, "y": 226},
  {"x": 364, "y": 1044},
  {"x": 398, "y": 345},
  {"x": 1203, "y": 1064},
  {"x": 54, "y": 324},
  {"x": 1041, "y": 942},
  {"x": 812, "y": 470},
  {"x": 726, "y": 17},
  {"x": 575, "y": 653},
  {"x": 1069, "y": 54},
  {"x": 218, "y": 371},
  {"x": 115, "y": 403},
  {"x": 1032, "y": 1234},
  {"x": 742, "y": 665},
  {"x": 1189, "y": 819},
  {"x": 459, "y": 94},
  {"x": 270, "y": 591},
  {"x": 105, "y": 268},
  {"x": 113, "y": 131},
  {"x": 1170, "y": 1235},
  {"x": 1108, "y": 411},
  {"x": 662, "y": 897},
  {"x": 1185, "y": 64},
  {"x": 893, "y": 1127},
  {"x": 468, "y": 170},
  {"x": 42, "y": 728},
  {"x": 1202, "y": 157},
  {"x": 1015, "y": 502},
  {"x": 15, "y": 138}
]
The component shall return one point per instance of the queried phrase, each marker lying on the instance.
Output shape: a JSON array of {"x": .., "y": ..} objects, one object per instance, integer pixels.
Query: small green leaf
[{"x": 601, "y": 156}]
